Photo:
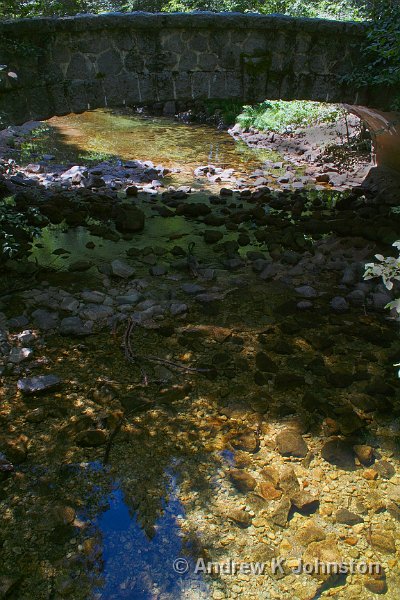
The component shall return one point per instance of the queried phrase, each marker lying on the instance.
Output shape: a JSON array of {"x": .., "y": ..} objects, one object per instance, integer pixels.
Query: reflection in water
[
  {"x": 136, "y": 566},
  {"x": 102, "y": 134}
]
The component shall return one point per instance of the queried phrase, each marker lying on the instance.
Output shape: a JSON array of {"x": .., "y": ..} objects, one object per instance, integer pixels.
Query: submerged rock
[
  {"x": 291, "y": 443},
  {"x": 91, "y": 438},
  {"x": 74, "y": 326},
  {"x": 243, "y": 481},
  {"x": 129, "y": 219},
  {"x": 121, "y": 269},
  {"x": 346, "y": 517},
  {"x": 45, "y": 319},
  {"x": 339, "y": 453}
]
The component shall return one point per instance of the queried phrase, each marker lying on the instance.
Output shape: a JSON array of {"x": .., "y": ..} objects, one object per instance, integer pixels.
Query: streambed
[{"x": 285, "y": 444}]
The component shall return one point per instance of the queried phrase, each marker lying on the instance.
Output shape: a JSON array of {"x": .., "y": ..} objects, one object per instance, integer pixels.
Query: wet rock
[
  {"x": 242, "y": 480},
  {"x": 384, "y": 469},
  {"x": 349, "y": 422},
  {"x": 131, "y": 190},
  {"x": 270, "y": 272},
  {"x": 80, "y": 266},
  {"x": 121, "y": 269},
  {"x": 260, "y": 264},
  {"x": 376, "y": 582},
  {"x": 96, "y": 312},
  {"x": 38, "y": 384},
  {"x": 193, "y": 210},
  {"x": 286, "y": 381},
  {"x": 45, "y": 320},
  {"x": 177, "y": 308},
  {"x": 232, "y": 264},
  {"x": 304, "y": 502},
  {"x": 192, "y": 288},
  {"x": 239, "y": 516},
  {"x": 379, "y": 300},
  {"x": 265, "y": 364},
  {"x": 291, "y": 443},
  {"x": 310, "y": 533},
  {"x": 18, "y": 355},
  {"x": 158, "y": 270},
  {"x": 91, "y": 438},
  {"x": 74, "y": 326},
  {"x": 339, "y": 379},
  {"x": 129, "y": 219},
  {"x": 346, "y": 517},
  {"x": 272, "y": 475},
  {"x": 37, "y": 415},
  {"x": 379, "y": 387},
  {"x": 93, "y": 296},
  {"x": 69, "y": 304},
  {"x": 383, "y": 541},
  {"x": 64, "y": 515},
  {"x": 306, "y": 291},
  {"x": 322, "y": 178},
  {"x": 338, "y": 452},
  {"x": 339, "y": 304},
  {"x": 212, "y": 236},
  {"x": 365, "y": 454},
  {"x": 321, "y": 553},
  {"x": 288, "y": 481},
  {"x": 280, "y": 514},
  {"x": 95, "y": 181},
  {"x": 268, "y": 491},
  {"x": 356, "y": 298},
  {"x": 282, "y": 347},
  {"x": 17, "y": 449},
  {"x": 304, "y": 305},
  {"x": 131, "y": 298},
  {"x": 243, "y": 239},
  {"x": 247, "y": 441}
]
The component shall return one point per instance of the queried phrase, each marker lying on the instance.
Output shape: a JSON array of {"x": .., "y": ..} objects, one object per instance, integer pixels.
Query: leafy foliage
[
  {"x": 337, "y": 9},
  {"x": 388, "y": 268},
  {"x": 16, "y": 227},
  {"x": 281, "y": 116},
  {"x": 382, "y": 51}
]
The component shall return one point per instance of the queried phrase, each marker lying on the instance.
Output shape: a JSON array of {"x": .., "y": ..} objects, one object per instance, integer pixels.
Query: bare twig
[{"x": 134, "y": 358}]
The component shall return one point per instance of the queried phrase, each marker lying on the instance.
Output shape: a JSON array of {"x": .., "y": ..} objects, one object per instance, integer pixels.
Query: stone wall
[{"x": 68, "y": 65}]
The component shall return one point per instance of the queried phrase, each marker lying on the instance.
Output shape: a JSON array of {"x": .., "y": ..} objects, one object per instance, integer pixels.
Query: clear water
[{"x": 109, "y": 135}]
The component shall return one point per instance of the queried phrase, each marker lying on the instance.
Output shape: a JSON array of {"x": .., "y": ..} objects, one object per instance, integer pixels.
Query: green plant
[
  {"x": 281, "y": 116},
  {"x": 382, "y": 51},
  {"x": 16, "y": 227},
  {"x": 388, "y": 268}
]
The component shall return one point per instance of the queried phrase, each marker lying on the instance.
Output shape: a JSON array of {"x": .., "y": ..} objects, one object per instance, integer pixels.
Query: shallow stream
[{"x": 123, "y": 483}]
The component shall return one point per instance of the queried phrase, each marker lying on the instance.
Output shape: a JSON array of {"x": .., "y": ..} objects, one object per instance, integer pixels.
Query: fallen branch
[{"x": 136, "y": 359}]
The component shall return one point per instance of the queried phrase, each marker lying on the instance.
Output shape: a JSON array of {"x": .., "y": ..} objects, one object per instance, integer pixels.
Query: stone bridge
[{"x": 58, "y": 66}]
